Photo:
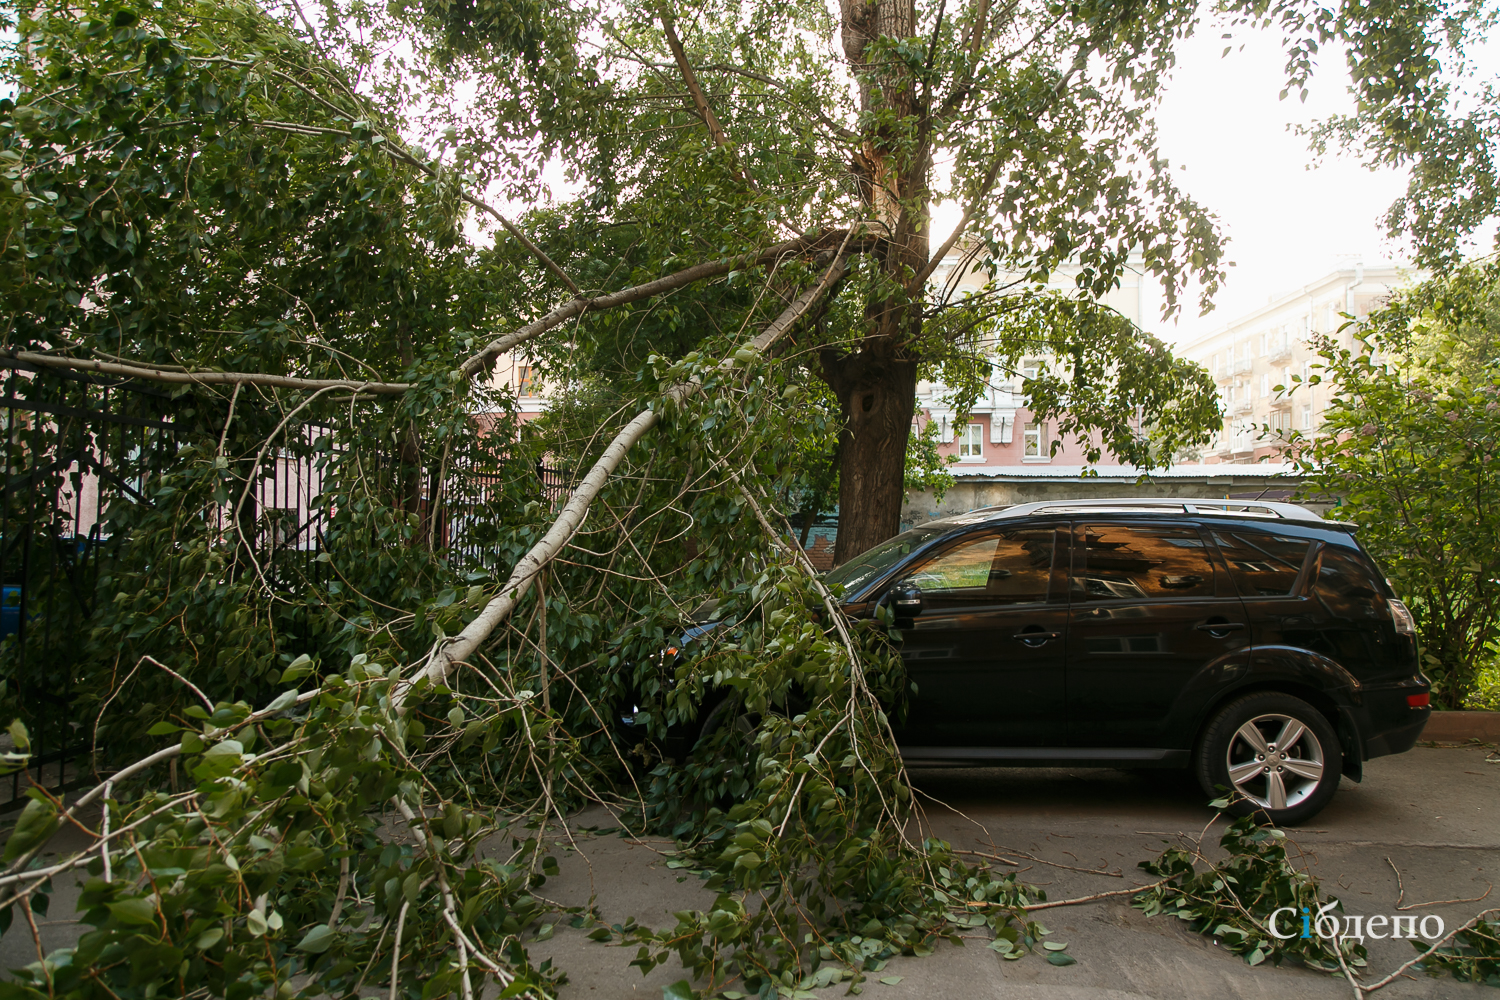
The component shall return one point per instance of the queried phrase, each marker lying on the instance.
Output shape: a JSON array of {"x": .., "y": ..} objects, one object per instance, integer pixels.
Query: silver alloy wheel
[{"x": 1275, "y": 761}]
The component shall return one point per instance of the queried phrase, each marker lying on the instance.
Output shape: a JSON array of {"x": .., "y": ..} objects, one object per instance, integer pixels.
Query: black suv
[{"x": 1255, "y": 643}]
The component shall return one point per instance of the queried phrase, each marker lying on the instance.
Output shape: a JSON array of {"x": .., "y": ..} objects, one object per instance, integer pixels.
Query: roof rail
[{"x": 1175, "y": 505}]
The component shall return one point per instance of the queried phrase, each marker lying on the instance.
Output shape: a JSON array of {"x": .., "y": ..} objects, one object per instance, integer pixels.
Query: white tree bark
[
  {"x": 447, "y": 655},
  {"x": 179, "y": 376}
]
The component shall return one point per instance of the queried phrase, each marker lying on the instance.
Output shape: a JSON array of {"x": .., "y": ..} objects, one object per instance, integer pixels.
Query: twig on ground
[
  {"x": 1042, "y": 861},
  {"x": 1096, "y": 896},
  {"x": 1401, "y": 893}
]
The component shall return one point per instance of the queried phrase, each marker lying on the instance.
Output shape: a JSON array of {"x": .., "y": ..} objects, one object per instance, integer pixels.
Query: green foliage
[
  {"x": 1409, "y": 446},
  {"x": 1472, "y": 957},
  {"x": 209, "y": 187},
  {"x": 1115, "y": 389},
  {"x": 273, "y": 871},
  {"x": 1232, "y": 899},
  {"x": 926, "y": 470},
  {"x": 155, "y": 211}
]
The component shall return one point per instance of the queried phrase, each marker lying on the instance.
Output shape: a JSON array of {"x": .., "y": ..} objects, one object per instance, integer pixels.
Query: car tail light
[
  {"x": 1419, "y": 700},
  {"x": 1405, "y": 623}
]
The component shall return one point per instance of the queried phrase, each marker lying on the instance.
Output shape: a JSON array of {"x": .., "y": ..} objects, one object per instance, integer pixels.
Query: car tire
[{"x": 1279, "y": 754}]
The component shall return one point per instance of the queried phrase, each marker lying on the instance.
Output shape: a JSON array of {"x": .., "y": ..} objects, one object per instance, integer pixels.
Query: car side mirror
[{"x": 906, "y": 599}]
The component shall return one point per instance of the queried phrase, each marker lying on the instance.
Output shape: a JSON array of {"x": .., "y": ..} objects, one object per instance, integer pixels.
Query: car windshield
[{"x": 868, "y": 565}]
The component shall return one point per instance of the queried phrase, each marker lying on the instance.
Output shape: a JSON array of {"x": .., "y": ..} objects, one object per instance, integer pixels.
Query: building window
[
  {"x": 1265, "y": 384},
  {"x": 525, "y": 386},
  {"x": 1029, "y": 368},
  {"x": 971, "y": 441},
  {"x": 1307, "y": 423},
  {"x": 1264, "y": 344},
  {"x": 1035, "y": 438}
]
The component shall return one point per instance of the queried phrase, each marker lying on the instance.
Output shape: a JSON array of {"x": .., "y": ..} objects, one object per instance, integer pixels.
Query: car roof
[{"x": 1262, "y": 510}]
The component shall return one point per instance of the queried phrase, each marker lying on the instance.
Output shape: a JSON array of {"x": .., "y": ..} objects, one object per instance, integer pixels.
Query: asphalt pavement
[{"x": 1432, "y": 813}]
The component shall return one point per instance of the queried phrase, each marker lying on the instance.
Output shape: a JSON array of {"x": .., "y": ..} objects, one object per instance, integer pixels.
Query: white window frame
[
  {"x": 1034, "y": 441},
  {"x": 971, "y": 442}
]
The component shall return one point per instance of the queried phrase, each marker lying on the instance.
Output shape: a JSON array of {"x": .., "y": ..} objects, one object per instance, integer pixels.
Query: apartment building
[
  {"x": 514, "y": 372},
  {"x": 1255, "y": 353},
  {"x": 1001, "y": 431}
]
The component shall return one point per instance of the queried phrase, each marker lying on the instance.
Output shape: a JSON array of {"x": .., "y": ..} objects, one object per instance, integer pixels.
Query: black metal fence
[
  {"x": 73, "y": 445},
  {"x": 69, "y": 440}
]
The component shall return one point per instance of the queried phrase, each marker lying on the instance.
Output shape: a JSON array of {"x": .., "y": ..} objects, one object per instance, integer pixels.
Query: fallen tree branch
[
  {"x": 134, "y": 369},
  {"x": 166, "y": 753},
  {"x": 1401, "y": 893},
  {"x": 1040, "y": 861},
  {"x": 578, "y": 306},
  {"x": 1474, "y": 921},
  {"x": 1096, "y": 896},
  {"x": 445, "y": 656}
]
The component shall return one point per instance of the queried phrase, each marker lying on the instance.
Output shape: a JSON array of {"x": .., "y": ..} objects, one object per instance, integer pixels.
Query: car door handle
[
  {"x": 1039, "y": 637},
  {"x": 1217, "y": 627}
]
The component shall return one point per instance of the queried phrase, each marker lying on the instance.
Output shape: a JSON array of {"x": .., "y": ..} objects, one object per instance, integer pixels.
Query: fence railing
[{"x": 74, "y": 443}]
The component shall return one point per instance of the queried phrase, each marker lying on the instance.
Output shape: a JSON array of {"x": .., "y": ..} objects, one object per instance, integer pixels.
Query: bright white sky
[{"x": 1287, "y": 220}]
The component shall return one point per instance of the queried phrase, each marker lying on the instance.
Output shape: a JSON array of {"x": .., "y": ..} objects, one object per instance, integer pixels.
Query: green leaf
[
  {"x": 134, "y": 911},
  {"x": 20, "y": 737},
  {"x": 226, "y": 748},
  {"x": 891, "y": 980},
  {"x": 317, "y": 940},
  {"x": 1055, "y": 945},
  {"x": 163, "y": 729},
  {"x": 298, "y": 669},
  {"x": 209, "y": 938},
  {"x": 680, "y": 990},
  {"x": 37, "y": 822},
  {"x": 1058, "y": 958},
  {"x": 284, "y": 701}
]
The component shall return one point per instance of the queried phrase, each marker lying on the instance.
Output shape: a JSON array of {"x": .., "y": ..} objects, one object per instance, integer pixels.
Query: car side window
[
  {"x": 1263, "y": 564},
  {"x": 1113, "y": 562},
  {"x": 991, "y": 567}
]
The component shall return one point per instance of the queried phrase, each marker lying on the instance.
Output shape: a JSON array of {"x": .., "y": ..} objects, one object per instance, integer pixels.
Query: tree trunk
[
  {"x": 876, "y": 397},
  {"x": 876, "y": 384}
]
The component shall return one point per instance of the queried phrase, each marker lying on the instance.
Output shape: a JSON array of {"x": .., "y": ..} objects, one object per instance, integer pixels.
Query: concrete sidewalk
[{"x": 1434, "y": 812}]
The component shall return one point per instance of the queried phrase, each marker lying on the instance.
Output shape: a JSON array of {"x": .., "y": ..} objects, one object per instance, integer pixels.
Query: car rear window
[
  {"x": 1144, "y": 562},
  {"x": 1263, "y": 564},
  {"x": 1347, "y": 585}
]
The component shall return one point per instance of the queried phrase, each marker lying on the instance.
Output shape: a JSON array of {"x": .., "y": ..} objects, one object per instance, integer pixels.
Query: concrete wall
[{"x": 971, "y": 493}]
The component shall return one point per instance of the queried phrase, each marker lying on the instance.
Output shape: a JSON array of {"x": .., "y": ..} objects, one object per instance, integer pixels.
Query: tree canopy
[{"x": 242, "y": 229}]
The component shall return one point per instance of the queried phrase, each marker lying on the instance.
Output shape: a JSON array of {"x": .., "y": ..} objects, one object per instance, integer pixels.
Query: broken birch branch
[
  {"x": 166, "y": 373},
  {"x": 448, "y": 654}
]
